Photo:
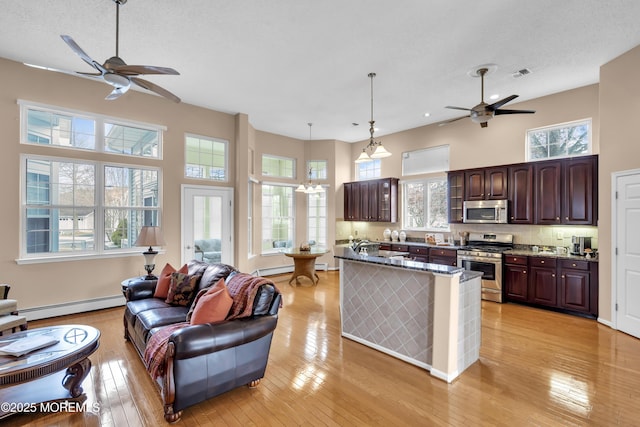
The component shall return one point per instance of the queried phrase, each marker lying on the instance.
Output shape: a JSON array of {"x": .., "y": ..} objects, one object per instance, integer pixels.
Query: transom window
[
  {"x": 562, "y": 140},
  {"x": 58, "y": 127},
  {"x": 278, "y": 167},
  {"x": 424, "y": 204},
  {"x": 368, "y": 170},
  {"x": 206, "y": 158},
  {"x": 317, "y": 169},
  {"x": 80, "y": 207}
]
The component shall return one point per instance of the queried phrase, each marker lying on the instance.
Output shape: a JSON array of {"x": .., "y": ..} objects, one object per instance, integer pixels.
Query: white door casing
[
  {"x": 207, "y": 213},
  {"x": 626, "y": 252}
]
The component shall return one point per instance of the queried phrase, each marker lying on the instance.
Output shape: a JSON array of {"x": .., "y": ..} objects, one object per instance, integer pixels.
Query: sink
[{"x": 389, "y": 254}]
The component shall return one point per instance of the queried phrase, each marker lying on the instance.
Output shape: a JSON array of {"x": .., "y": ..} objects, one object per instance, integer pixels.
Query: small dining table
[{"x": 304, "y": 263}]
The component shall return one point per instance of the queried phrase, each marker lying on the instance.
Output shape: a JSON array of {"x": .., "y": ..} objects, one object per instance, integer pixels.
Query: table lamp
[{"x": 150, "y": 236}]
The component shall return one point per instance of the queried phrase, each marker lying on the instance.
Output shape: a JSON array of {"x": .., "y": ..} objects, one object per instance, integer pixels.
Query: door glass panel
[{"x": 207, "y": 228}]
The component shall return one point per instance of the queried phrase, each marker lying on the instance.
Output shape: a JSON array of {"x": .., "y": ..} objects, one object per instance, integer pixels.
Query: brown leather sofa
[{"x": 202, "y": 361}]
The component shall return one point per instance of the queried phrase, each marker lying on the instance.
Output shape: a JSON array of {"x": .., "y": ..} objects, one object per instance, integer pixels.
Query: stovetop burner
[{"x": 487, "y": 244}]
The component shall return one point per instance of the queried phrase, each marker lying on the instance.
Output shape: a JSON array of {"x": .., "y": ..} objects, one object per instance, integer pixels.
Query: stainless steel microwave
[{"x": 485, "y": 212}]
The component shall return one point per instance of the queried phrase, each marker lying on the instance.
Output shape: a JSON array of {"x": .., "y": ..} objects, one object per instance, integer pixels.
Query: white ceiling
[{"x": 286, "y": 63}]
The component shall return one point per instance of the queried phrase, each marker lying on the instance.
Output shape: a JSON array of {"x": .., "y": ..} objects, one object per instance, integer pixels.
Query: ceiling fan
[
  {"x": 117, "y": 73},
  {"x": 484, "y": 112}
]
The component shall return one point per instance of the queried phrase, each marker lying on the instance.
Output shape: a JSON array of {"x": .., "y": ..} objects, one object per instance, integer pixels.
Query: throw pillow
[
  {"x": 164, "y": 280},
  {"x": 181, "y": 289},
  {"x": 212, "y": 306}
]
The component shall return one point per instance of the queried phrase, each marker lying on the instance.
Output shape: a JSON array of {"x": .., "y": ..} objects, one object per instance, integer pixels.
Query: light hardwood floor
[{"x": 536, "y": 368}]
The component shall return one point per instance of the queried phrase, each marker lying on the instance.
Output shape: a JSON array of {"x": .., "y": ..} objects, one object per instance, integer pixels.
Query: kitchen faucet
[{"x": 356, "y": 245}]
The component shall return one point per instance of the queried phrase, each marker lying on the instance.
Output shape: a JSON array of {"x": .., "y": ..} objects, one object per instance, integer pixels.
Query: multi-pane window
[
  {"x": 317, "y": 169},
  {"x": 424, "y": 204},
  {"x": 206, "y": 158},
  {"x": 278, "y": 218},
  {"x": 278, "y": 167},
  {"x": 43, "y": 125},
  {"x": 368, "y": 170},
  {"x": 317, "y": 218},
  {"x": 563, "y": 140},
  {"x": 63, "y": 213}
]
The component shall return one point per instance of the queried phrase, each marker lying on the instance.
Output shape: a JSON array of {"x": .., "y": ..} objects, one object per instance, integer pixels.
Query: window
[
  {"x": 368, "y": 170},
  {"x": 63, "y": 213},
  {"x": 425, "y": 160},
  {"x": 563, "y": 140},
  {"x": 278, "y": 220},
  {"x": 280, "y": 167},
  {"x": 317, "y": 218},
  {"x": 318, "y": 169},
  {"x": 54, "y": 126},
  {"x": 206, "y": 158},
  {"x": 424, "y": 205}
]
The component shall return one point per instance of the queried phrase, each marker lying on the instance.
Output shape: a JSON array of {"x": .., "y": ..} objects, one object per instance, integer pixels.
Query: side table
[{"x": 304, "y": 263}]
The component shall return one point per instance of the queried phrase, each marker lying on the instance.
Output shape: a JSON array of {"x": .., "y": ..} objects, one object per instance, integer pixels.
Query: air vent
[{"x": 521, "y": 73}]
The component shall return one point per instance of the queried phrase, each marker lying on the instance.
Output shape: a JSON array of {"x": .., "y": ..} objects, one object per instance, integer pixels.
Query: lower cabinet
[
  {"x": 565, "y": 284},
  {"x": 419, "y": 253},
  {"x": 443, "y": 256}
]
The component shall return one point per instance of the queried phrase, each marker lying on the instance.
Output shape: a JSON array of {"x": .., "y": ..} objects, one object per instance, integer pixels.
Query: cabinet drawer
[
  {"x": 542, "y": 262},
  {"x": 576, "y": 265},
  {"x": 443, "y": 252},
  {"x": 422, "y": 250},
  {"x": 385, "y": 246},
  {"x": 400, "y": 248},
  {"x": 515, "y": 259}
]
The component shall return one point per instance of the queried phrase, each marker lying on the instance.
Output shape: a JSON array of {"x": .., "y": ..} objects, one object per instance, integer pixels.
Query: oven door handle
[{"x": 495, "y": 261}]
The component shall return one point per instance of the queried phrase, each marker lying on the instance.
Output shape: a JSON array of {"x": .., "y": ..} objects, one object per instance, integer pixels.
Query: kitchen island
[{"x": 426, "y": 314}]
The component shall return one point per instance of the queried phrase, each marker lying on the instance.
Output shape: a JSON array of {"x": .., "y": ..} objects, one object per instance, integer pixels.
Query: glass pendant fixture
[
  {"x": 379, "y": 152},
  {"x": 309, "y": 188}
]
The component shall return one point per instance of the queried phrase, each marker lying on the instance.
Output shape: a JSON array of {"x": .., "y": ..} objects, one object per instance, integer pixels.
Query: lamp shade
[
  {"x": 364, "y": 157},
  {"x": 380, "y": 152},
  {"x": 150, "y": 236}
]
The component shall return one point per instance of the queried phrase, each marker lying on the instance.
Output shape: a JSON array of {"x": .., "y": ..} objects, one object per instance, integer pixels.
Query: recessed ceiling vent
[{"x": 521, "y": 73}]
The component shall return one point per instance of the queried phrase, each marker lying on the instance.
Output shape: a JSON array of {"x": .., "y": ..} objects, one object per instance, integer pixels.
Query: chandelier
[
  {"x": 309, "y": 188},
  {"x": 378, "y": 149}
]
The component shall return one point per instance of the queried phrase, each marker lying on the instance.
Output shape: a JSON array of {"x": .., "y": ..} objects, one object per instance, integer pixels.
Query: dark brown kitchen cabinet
[
  {"x": 521, "y": 194},
  {"x": 455, "y": 195},
  {"x": 375, "y": 200},
  {"x": 419, "y": 253},
  {"x": 575, "y": 285},
  {"x": 486, "y": 183},
  {"x": 443, "y": 256},
  {"x": 547, "y": 192},
  {"x": 516, "y": 278},
  {"x": 543, "y": 286}
]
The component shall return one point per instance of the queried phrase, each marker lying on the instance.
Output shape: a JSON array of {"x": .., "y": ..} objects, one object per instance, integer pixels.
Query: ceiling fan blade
[
  {"x": 458, "y": 108},
  {"x": 145, "y": 84},
  {"x": 498, "y": 112},
  {"x": 503, "y": 101},
  {"x": 82, "y": 54},
  {"x": 117, "y": 93},
  {"x": 446, "y": 122},
  {"x": 134, "y": 70}
]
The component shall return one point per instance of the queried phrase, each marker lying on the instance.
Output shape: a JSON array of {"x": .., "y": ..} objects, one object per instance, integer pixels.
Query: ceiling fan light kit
[
  {"x": 117, "y": 73},
  {"x": 379, "y": 152},
  {"x": 484, "y": 112}
]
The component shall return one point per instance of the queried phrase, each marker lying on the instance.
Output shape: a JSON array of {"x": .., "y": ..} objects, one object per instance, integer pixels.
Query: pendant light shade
[
  {"x": 379, "y": 152},
  {"x": 309, "y": 188}
]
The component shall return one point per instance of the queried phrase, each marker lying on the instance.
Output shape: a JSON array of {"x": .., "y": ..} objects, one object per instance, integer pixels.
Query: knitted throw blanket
[
  {"x": 156, "y": 349},
  {"x": 243, "y": 288}
]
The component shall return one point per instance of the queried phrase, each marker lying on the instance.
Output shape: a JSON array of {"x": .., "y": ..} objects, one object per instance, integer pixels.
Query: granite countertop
[
  {"x": 349, "y": 254},
  {"x": 530, "y": 253},
  {"x": 426, "y": 245}
]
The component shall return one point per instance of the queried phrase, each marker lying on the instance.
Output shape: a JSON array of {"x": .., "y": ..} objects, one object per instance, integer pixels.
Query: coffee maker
[{"x": 579, "y": 244}]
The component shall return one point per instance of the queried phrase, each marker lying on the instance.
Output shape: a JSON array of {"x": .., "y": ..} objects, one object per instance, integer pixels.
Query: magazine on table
[{"x": 27, "y": 344}]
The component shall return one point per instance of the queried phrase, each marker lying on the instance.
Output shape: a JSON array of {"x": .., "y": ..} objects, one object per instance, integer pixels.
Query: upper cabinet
[
  {"x": 486, "y": 183},
  {"x": 521, "y": 194},
  {"x": 455, "y": 195},
  {"x": 375, "y": 200}
]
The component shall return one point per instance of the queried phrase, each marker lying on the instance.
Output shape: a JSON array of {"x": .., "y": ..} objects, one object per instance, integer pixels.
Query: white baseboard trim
[
  {"x": 272, "y": 271},
  {"x": 443, "y": 375},
  {"x": 54, "y": 310},
  {"x": 605, "y": 322}
]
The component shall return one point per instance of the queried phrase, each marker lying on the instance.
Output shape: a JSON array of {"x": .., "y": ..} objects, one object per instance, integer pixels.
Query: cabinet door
[
  {"x": 352, "y": 201},
  {"x": 443, "y": 260},
  {"x": 384, "y": 200},
  {"x": 365, "y": 215},
  {"x": 495, "y": 183},
  {"x": 521, "y": 194},
  {"x": 456, "y": 196},
  {"x": 543, "y": 286},
  {"x": 578, "y": 200},
  {"x": 547, "y": 192},
  {"x": 474, "y": 184},
  {"x": 575, "y": 290},
  {"x": 516, "y": 282}
]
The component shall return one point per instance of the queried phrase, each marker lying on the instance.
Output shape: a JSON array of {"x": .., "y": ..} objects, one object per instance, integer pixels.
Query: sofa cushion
[
  {"x": 149, "y": 319},
  {"x": 212, "y": 306},
  {"x": 213, "y": 273},
  {"x": 182, "y": 289},
  {"x": 244, "y": 288},
  {"x": 164, "y": 280}
]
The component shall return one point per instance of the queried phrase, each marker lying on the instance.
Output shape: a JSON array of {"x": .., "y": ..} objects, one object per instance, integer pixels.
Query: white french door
[
  {"x": 207, "y": 224},
  {"x": 626, "y": 264}
]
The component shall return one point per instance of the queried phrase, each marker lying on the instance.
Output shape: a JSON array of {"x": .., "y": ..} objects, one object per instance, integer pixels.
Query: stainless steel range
[{"x": 484, "y": 253}]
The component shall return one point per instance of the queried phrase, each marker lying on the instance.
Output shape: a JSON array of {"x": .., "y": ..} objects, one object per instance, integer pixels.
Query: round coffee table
[
  {"x": 53, "y": 373},
  {"x": 304, "y": 263}
]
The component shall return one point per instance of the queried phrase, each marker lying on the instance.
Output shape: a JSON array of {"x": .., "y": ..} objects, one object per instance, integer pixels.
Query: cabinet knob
[
  {"x": 557, "y": 218},
  {"x": 524, "y": 272},
  {"x": 562, "y": 276},
  {"x": 542, "y": 262},
  {"x": 567, "y": 218},
  {"x": 573, "y": 265},
  {"x": 512, "y": 218},
  {"x": 553, "y": 275}
]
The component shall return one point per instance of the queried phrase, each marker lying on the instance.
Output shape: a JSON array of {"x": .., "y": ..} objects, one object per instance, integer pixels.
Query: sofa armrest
[
  {"x": 196, "y": 340},
  {"x": 140, "y": 288}
]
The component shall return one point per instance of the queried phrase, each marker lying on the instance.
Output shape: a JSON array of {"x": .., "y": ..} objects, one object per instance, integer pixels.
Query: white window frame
[
  {"x": 427, "y": 202},
  {"x": 99, "y": 227},
  {"x": 203, "y": 167},
  {"x": 587, "y": 122},
  {"x": 322, "y": 240},
  {"x": 292, "y": 218},
  {"x": 100, "y": 120},
  {"x": 272, "y": 156},
  {"x": 317, "y": 173},
  {"x": 372, "y": 170}
]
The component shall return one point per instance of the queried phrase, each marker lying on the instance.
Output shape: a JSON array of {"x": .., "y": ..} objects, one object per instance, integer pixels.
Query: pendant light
[
  {"x": 378, "y": 149},
  {"x": 309, "y": 188}
]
